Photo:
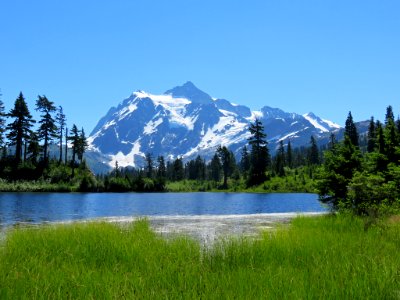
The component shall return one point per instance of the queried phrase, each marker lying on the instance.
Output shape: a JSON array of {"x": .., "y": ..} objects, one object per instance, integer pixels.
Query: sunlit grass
[{"x": 325, "y": 257}]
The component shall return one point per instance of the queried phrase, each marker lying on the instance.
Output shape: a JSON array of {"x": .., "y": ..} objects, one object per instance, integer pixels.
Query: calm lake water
[{"x": 53, "y": 207}]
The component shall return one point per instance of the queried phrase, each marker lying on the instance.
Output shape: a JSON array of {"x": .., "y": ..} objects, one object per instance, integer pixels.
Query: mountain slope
[{"x": 185, "y": 121}]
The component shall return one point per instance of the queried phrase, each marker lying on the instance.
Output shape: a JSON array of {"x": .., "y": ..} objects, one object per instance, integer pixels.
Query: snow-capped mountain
[{"x": 186, "y": 121}]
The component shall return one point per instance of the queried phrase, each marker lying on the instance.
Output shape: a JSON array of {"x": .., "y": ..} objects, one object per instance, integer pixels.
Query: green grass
[{"x": 326, "y": 257}]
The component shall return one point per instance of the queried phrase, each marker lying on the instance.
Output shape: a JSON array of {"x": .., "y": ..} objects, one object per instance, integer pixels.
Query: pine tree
[
  {"x": 47, "y": 129},
  {"x": 74, "y": 138},
  {"x": 33, "y": 148},
  {"x": 161, "y": 169},
  {"x": 82, "y": 145},
  {"x": 371, "y": 136},
  {"x": 389, "y": 117},
  {"x": 19, "y": 129},
  {"x": 61, "y": 121},
  {"x": 332, "y": 141},
  {"x": 149, "y": 165},
  {"x": 2, "y": 122},
  {"x": 380, "y": 138},
  {"x": 314, "y": 153},
  {"x": 259, "y": 157},
  {"x": 228, "y": 163},
  {"x": 351, "y": 131},
  {"x": 245, "y": 160},
  {"x": 280, "y": 160},
  {"x": 289, "y": 155},
  {"x": 215, "y": 167},
  {"x": 178, "y": 170}
]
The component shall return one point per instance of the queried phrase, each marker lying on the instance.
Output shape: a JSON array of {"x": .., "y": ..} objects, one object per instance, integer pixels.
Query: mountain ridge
[{"x": 185, "y": 122}]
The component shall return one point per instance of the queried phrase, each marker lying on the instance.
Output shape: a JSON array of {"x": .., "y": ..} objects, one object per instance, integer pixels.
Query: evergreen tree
[
  {"x": 332, "y": 141},
  {"x": 371, "y": 136},
  {"x": 314, "y": 153},
  {"x": 259, "y": 156},
  {"x": 215, "y": 166},
  {"x": 61, "y": 121},
  {"x": 33, "y": 148},
  {"x": 19, "y": 129},
  {"x": 245, "y": 161},
  {"x": 228, "y": 163},
  {"x": 351, "y": 131},
  {"x": 337, "y": 172},
  {"x": 280, "y": 160},
  {"x": 389, "y": 117},
  {"x": 380, "y": 138},
  {"x": 47, "y": 128},
  {"x": 66, "y": 145},
  {"x": 74, "y": 138},
  {"x": 2, "y": 122},
  {"x": 289, "y": 155},
  {"x": 161, "y": 168},
  {"x": 82, "y": 145},
  {"x": 149, "y": 165},
  {"x": 200, "y": 168},
  {"x": 178, "y": 170}
]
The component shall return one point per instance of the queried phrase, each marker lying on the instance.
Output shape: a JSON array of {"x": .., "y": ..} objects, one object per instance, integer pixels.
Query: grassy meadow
[{"x": 341, "y": 257}]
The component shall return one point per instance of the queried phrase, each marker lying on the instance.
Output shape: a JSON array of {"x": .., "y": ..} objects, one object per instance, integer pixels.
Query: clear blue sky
[{"x": 327, "y": 57}]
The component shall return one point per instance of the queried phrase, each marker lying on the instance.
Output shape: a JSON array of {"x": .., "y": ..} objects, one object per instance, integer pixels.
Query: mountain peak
[{"x": 189, "y": 91}]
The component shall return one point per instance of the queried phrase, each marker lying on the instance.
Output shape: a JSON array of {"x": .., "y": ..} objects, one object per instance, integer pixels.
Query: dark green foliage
[
  {"x": 20, "y": 128},
  {"x": 245, "y": 161},
  {"x": 61, "y": 122},
  {"x": 47, "y": 125},
  {"x": 371, "y": 136},
  {"x": 2, "y": 122},
  {"x": 149, "y": 165},
  {"x": 161, "y": 168},
  {"x": 259, "y": 156},
  {"x": 340, "y": 165},
  {"x": 364, "y": 184},
  {"x": 314, "y": 153},
  {"x": 227, "y": 162},
  {"x": 215, "y": 167},
  {"x": 280, "y": 161},
  {"x": 351, "y": 130},
  {"x": 289, "y": 155}
]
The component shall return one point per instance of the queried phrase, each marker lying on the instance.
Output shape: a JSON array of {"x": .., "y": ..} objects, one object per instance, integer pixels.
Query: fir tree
[
  {"x": 351, "y": 131},
  {"x": 2, "y": 122},
  {"x": 215, "y": 166},
  {"x": 371, "y": 136},
  {"x": 82, "y": 145},
  {"x": 228, "y": 163},
  {"x": 259, "y": 157},
  {"x": 161, "y": 168},
  {"x": 245, "y": 160},
  {"x": 389, "y": 117},
  {"x": 314, "y": 153},
  {"x": 61, "y": 121},
  {"x": 19, "y": 129},
  {"x": 33, "y": 148},
  {"x": 280, "y": 160},
  {"x": 47, "y": 128},
  {"x": 289, "y": 155},
  {"x": 149, "y": 165}
]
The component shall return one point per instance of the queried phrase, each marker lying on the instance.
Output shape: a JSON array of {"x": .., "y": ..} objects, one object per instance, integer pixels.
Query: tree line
[
  {"x": 255, "y": 166},
  {"x": 25, "y": 150}
]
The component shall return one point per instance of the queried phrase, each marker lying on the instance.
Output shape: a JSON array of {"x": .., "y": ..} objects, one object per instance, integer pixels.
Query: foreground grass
[{"x": 326, "y": 257}]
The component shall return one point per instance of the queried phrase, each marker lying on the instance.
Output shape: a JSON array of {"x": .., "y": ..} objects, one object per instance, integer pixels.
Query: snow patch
[{"x": 315, "y": 123}]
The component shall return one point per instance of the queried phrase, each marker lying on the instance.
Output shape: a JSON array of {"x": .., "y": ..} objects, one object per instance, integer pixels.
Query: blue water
[{"x": 49, "y": 207}]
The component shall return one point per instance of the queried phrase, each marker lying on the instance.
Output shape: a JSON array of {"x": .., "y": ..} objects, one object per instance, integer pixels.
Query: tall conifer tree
[
  {"x": 350, "y": 130},
  {"x": 20, "y": 128},
  {"x": 259, "y": 156},
  {"x": 47, "y": 129}
]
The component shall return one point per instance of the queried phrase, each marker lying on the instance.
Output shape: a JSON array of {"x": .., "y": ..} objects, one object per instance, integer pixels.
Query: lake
[{"x": 36, "y": 208}]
